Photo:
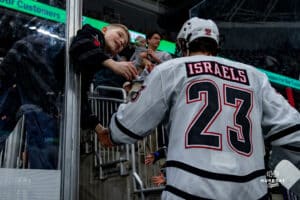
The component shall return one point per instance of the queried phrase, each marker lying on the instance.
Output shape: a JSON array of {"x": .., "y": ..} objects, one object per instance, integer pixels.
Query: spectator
[
  {"x": 93, "y": 50},
  {"x": 151, "y": 158},
  {"x": 35, "y": 66},
  {"x": 219, "y": 112},
  {"x": 152, "y": 56},
  {"x": 146, "y": 59},
  {"x": 146, "y": 55},
  {"x": 140, "y": 46},
  {"x": 161, "y": 178}
]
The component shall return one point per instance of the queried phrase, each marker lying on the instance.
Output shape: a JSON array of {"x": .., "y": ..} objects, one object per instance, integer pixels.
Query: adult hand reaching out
[
  {"x": 159, "y": 180},
  {"x": 151, "y": 53}
]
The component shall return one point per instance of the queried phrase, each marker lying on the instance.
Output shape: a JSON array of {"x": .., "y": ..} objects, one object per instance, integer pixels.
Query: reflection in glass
[{"x": 32, "y": 52}]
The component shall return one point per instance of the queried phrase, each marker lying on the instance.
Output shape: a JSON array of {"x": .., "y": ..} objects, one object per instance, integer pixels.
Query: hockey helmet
[{"x": 197, "y": 28}]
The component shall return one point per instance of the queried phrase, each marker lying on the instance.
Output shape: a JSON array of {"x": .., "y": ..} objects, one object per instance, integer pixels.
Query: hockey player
[{"x": 221, "y": 113}]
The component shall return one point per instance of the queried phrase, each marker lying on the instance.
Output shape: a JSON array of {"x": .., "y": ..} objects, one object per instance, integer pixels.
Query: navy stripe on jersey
[
  {"x": 291, "y": 148},
  {"x": 186, "y": 195},
  {"x": 283, "y": 133},
  {"x": 216, "y": 176},
  {"x": 126, "y": 131}
]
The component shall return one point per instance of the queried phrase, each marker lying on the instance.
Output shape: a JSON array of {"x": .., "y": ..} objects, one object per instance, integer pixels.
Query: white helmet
[{"x": 197, "y": 28}]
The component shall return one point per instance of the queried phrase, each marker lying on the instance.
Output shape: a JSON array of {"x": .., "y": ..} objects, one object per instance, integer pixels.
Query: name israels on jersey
[
  {"x": 216, "y": 69},
  {"x": 217, "y": 110}
]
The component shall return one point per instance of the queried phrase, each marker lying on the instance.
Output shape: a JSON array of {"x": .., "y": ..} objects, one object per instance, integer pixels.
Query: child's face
[{"x": 116, "y": 39}]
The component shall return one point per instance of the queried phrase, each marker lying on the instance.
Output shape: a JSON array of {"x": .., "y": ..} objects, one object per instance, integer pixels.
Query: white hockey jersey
[{"x": 219, "y": 114}]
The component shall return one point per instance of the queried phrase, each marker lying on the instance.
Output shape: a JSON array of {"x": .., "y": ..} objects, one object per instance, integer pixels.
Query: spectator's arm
[
  {"x": 159, "y": 180},
  {"x": 148, "y": 64},
  {"x": 154, "y": 57},
  {"x": 123, "y": 68},
  {"x": 161, "y": 153},
  {"x": 155, "y": 156}
]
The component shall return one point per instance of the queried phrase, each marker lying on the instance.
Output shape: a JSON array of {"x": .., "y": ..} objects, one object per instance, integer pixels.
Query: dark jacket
[
  {"x": 32, "y": 73},
  {"x": 87, "y": 53},
  {"x": 87, "y": 50},
  {"x": 32, "y": 81},
  {"x": 35, "y": 65}
]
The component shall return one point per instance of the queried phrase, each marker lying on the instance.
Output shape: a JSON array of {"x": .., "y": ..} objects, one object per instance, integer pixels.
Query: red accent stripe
[{"x": 290, "y": 96}]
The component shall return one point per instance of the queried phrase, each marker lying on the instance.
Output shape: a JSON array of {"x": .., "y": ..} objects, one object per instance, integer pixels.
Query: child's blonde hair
[{"x": 122, "y": 27}]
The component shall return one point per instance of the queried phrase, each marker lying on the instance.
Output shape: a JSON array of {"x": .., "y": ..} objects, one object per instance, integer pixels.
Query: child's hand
[{"x": 122, "y": 68}]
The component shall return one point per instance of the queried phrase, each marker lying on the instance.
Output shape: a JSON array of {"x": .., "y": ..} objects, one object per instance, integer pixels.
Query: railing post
[{"x": 71, "y": 131}]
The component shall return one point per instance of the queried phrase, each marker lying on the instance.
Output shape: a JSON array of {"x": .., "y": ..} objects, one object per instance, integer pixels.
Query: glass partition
[{"x": 32, "y": 86}]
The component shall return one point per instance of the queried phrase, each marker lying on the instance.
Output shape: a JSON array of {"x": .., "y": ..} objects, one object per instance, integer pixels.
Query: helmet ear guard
[{"x": 181, "y": 47}]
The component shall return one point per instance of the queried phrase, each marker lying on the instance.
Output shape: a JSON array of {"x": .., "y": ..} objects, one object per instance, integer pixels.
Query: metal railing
[
  {"x": 142, "y": 173},
  {"x": 104, "y": 102},
  {"x": 14, "y": 153}
]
